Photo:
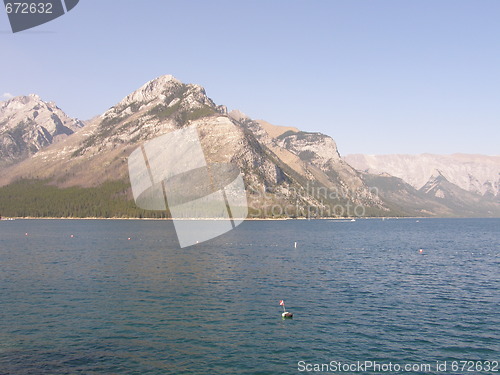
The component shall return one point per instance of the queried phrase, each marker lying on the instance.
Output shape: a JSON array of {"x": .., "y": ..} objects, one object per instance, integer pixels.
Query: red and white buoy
[{"x": 285, "y": 314}]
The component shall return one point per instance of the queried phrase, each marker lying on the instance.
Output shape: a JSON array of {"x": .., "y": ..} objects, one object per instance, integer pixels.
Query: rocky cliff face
[
  {"x": 314, "y": 159},
  {"x": 28, "y": 124}
]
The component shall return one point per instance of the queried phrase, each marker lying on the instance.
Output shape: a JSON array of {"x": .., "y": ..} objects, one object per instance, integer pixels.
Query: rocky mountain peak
[
  {"x": 10, "y": 107},
  {"x": 164, "y": 95},
  {"x": 436, "y": 176},
  {"x": 20, "y": 106},
  {"x": 157, "y": 107},
  {"x": 317, "y": 148},
  {"x": 157, "y": 88},
  {"x": 28, "y": 124}
]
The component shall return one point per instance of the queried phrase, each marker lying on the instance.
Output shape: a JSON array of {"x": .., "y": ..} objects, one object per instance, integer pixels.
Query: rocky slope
[
  {"x": 314, "y": 157},
  {"x": 28, "y": 124}
]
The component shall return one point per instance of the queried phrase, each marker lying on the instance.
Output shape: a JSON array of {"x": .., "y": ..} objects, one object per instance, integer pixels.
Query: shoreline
[{"x": 244, "y": 219}]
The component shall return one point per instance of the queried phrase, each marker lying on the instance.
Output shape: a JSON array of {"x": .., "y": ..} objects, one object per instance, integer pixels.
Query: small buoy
[
  {"x": 72, "y": 236},
  {"x": 285, "y": 314},
  {"x": 26, "y": 234},
  {"x": 295, "y": 244},
  {"x": 128, "y": 238},
  {"x": 421, "y": 251}
]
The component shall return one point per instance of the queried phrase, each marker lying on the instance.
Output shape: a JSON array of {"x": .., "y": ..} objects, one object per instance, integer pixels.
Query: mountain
[
  {"x": 404, "y": 200},
  {"x": 59, "y": 167},
  {"x": 460, "y": 200},
  {"x": 313, "y": 159},
  {"x": 478, "y": 174},
  {"x": 287, "y": 172},
  {"x": 443, "y": 185},
  {"x": 28, "y": 124}
]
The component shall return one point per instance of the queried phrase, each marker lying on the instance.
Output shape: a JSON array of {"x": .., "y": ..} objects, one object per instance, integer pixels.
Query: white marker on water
[{"x": 285, "y": 314}]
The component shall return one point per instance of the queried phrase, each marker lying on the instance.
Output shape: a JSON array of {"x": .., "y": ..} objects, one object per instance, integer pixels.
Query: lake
[{"x": 120, "y": 297}]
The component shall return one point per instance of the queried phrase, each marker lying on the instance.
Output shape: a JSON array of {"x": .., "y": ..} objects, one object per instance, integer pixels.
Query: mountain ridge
[{"x": 287, "y": 172}]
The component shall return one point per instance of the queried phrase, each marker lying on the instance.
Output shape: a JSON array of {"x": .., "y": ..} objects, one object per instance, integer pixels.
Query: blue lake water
[{"x": 101, "y": 303}]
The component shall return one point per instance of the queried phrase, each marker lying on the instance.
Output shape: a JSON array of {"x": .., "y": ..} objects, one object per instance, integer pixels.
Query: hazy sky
[{"x": 378, "y": 76}]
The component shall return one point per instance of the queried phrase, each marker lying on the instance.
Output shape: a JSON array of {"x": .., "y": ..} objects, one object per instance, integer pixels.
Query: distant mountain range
[
  {"x": 287, "y": 172},
  {"x": 475, "y": 173},
  {"x": 467, "y": 185}
]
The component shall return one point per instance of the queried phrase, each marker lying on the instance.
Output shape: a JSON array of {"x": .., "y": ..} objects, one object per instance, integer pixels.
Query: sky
[{"x": 380, "y": 77}]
